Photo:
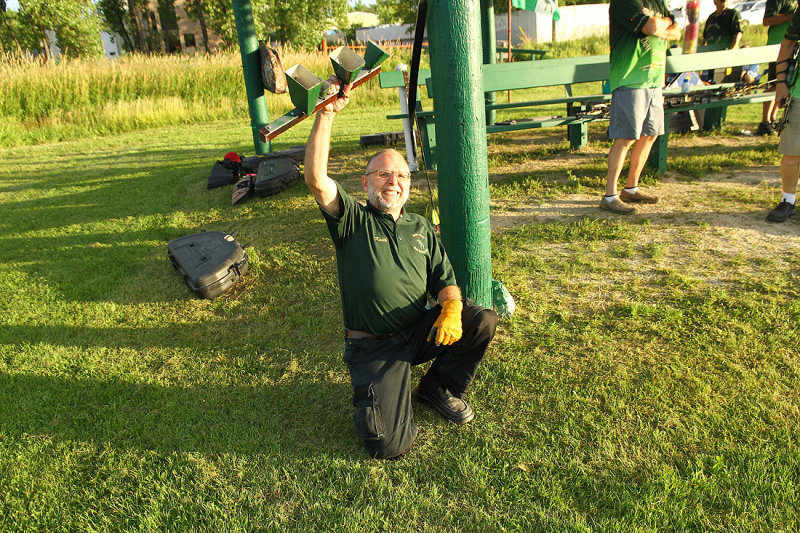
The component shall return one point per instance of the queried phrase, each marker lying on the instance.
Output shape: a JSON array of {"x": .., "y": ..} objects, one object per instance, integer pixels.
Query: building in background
[
  {"x": 188, "y": 35},
  {"x": 527, "y": 27}
]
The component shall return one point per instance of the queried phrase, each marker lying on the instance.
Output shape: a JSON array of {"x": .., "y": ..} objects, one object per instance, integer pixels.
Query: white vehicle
[{"x": 751, "y": 12}]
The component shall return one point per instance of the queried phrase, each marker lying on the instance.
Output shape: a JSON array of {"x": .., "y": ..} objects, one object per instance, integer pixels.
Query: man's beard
[{"x": 377, "y": 200}]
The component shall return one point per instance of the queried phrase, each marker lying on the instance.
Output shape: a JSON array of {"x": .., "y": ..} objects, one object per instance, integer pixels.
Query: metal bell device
[
  {"x": 304, "y": 88},
  {"x": 374, "y": 55},
  {"x": 308, "y": 92},
  {"x": 346, "y": 64}
]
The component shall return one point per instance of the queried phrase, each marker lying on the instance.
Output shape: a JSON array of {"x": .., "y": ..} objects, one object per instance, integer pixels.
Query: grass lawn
[{"x": 649, "y": 381}]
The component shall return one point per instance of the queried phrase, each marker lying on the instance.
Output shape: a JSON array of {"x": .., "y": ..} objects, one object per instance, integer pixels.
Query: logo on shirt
[
  {"x": 381, "y": 239},
  {"x": 420, "y": 243}
]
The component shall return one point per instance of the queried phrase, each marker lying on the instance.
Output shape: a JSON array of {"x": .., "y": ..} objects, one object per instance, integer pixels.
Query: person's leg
[
  {"x": 639, "y": 154},
  {"x": 790, "y": 171},
  {"x": 380, "y": 372},
  {"x": 768, "y": 110},
  {"x": 652, "y": 127},
  {"x": 624, "y": 125},
  {"x": 789, "y": 146},
  {"x": 616, "y": 160},
  {"x": 454, "y": 366}
]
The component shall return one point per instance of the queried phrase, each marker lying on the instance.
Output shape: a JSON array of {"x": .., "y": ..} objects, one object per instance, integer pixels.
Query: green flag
[{"x": 549, "y": 6}]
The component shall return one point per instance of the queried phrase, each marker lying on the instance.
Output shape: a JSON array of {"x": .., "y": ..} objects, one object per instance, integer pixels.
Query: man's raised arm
[{"x": 318, "y": 149}]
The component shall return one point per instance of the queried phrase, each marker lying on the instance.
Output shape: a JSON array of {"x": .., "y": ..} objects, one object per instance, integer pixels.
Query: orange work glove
[{"x": 447, "y": 328}]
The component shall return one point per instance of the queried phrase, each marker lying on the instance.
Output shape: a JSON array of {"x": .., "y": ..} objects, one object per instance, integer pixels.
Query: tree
[
  {"x": 169, "y": 25},
  {"x": 135, "y": 7},
  {"x": 220, "y": 20},
  {"x": 299, "y": 23},
  {"x": 75, "y": 22},
  {"x": 302, "y": 22},
  {"x": 396, "y": 11},
  {"x": 117, "y": 20},
  {"x": 196, "y": 9},
  {"x": 359, "y": 5},
  {"x": 7, "y": 28}
]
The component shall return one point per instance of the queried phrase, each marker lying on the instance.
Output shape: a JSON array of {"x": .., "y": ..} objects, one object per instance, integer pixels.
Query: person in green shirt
[
  {"x": 388, "y": 261},
  {"x": 723, "y": 26},
  {"x": 639, "y": 31},
  {"x": 787, "y": 88},
  {"x": 777, "y": 15}
]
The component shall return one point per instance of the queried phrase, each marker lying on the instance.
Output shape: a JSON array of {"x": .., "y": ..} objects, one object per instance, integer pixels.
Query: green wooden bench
[
  {"x": 713, "y": 119},
  {"x": 500, "y": 77},
  {"x": 570, "y": 71},
  {"x": 535, "y": 54}
]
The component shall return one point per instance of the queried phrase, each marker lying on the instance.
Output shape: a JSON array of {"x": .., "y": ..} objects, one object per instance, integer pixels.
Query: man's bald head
[{"x": 389, "y": 159}]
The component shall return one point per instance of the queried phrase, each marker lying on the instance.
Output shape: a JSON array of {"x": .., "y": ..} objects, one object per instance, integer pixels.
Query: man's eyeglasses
[{"x": 387, "y": 174}]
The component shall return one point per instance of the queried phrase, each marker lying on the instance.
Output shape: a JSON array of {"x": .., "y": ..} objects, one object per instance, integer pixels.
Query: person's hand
[
  {"x": 337, "y": 104},
  {"x": 781, "y": 94},
  {"x": 447, "y": 328}
]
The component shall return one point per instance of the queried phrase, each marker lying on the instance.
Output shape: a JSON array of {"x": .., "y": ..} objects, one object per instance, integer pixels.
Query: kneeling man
[{"x": 388, "y": 261}]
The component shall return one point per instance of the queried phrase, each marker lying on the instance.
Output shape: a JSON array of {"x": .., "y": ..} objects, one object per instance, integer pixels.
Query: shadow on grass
[{"x": 300, "y": 418}]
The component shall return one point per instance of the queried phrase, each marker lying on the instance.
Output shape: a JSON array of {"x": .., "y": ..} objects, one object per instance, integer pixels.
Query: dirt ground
[{"x": 682, "y": 202}]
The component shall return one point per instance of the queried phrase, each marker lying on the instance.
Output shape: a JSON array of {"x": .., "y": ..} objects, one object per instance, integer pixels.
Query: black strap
[{"x": 419, "y": 32}]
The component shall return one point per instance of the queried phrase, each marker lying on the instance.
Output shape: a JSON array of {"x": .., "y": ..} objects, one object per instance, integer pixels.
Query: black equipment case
[
  {"x": 276, "y": 175},
  {"x": 211, "y": 262}
]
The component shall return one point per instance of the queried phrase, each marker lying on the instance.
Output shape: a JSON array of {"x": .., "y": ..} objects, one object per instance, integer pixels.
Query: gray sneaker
[{"x": 616, "y": 206}]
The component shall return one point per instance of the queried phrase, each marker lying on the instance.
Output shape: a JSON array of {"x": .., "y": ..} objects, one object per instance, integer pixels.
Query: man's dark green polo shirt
[
  {"x": 722, "y": 28},
  {"x": 385, "y": 268}
]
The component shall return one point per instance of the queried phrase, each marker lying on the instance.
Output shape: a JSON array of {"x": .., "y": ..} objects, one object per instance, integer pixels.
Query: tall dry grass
[{"x": 78, "y": 97}]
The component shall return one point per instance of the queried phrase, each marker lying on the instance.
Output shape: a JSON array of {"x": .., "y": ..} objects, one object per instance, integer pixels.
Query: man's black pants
[{"x": 380, "y": 372}]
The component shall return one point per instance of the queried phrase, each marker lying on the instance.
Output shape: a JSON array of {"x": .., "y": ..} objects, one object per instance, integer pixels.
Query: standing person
[
  {"x": 789, "y": 144},
  {"x": 723, "y": 26},
  {"x": 639, "y": 35},
  {"x": 777, "y": 15},
  {"x": 388, "y": 261}
]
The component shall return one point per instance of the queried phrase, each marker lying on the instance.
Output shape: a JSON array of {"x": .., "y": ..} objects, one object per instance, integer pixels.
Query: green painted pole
[
  {"x": 489, "y": 38},
  {"x": 454, "y": 34},
  {"x": 251, "y": 65}
]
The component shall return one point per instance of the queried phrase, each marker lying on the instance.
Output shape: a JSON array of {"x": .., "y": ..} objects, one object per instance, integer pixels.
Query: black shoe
[
  {"x": 451, "y": 408},
  {"x": 782, "y": 212},
  {"x": 765, "y": 128}
]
